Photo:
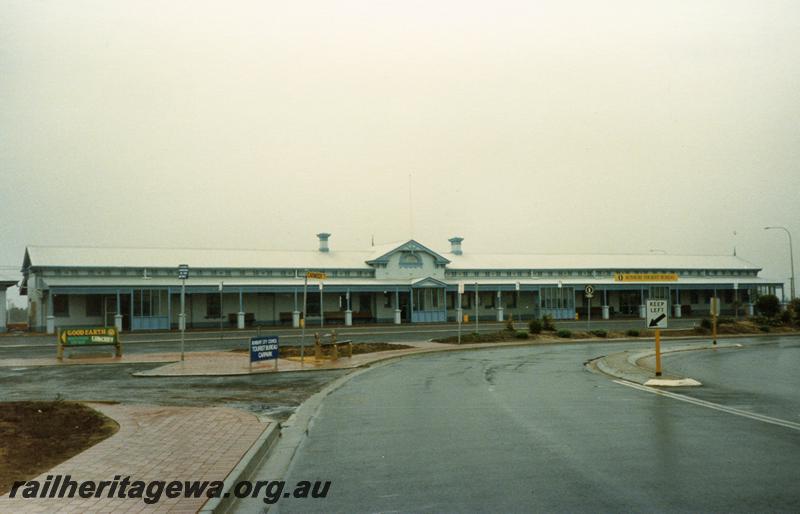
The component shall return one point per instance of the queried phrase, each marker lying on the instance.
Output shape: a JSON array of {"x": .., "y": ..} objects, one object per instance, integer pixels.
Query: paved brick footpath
[{"x": 153, "y": 443}]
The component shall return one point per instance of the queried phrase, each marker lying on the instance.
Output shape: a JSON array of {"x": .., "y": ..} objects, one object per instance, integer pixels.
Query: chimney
[
  {"x": 323, "y": 241},
  {"x": 455, "y": 245}
]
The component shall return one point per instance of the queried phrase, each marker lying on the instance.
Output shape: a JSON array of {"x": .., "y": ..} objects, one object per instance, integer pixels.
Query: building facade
[{"x": 405, "y": 282}]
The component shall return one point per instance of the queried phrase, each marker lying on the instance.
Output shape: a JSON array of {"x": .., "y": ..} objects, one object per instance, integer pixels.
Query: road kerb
[{"x": 258, "y": 452}]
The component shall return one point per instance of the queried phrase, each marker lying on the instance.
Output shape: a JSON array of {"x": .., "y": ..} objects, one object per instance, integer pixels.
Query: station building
[
  {"x": 5, "y": 282},
  {"x": 405, "y": 282}
]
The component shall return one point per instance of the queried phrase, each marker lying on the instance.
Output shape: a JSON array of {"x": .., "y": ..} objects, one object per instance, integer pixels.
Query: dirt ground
[
  {"x": 35, "y": 436},
  {"x": 358, "y": 348}
]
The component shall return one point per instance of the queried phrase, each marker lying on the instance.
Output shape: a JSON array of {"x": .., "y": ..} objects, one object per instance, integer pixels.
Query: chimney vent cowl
[
  {"x": 323, "y": 241},
  {"x": 455, "y": 245}
]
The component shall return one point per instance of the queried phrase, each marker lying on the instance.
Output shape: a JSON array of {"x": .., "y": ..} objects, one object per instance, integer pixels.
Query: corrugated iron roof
[{"x": 65, "y": 256}]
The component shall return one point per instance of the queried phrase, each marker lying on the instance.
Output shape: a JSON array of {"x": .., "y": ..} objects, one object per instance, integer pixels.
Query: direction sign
[
  {"x": 657, "y": 313},
  {"x": 183, "y": 271},
  {"x": 263, "y": 348},
  {"x": 715, "y": 304},
  {"x": 589, "y": 290},
  {"x": 316, "y": 274},
  {"x": 461, "y": 287}
]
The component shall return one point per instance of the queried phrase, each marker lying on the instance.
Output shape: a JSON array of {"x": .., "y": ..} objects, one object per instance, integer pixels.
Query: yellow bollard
[{"x": 658, "y": 352}]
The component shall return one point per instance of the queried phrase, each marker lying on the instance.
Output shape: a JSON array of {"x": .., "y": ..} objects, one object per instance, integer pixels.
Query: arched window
[{"x": 410, "y": 260}]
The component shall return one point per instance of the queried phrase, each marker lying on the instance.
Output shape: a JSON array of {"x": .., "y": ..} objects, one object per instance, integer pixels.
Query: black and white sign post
[
  {"x": 183, "y": 274},
  {"x": 589, "y": 290},
  {"x": 657, "y": 311}
]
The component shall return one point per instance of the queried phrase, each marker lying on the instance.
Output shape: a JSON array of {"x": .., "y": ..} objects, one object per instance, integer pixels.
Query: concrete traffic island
[{"x": 638, "y": 366}]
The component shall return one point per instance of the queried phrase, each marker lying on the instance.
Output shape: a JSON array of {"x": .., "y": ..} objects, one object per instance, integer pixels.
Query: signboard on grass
[{"x": 88, "y": 336}]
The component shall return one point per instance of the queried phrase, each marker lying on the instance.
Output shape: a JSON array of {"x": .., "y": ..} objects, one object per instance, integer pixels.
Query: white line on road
[{"x": 710, "y": 405}]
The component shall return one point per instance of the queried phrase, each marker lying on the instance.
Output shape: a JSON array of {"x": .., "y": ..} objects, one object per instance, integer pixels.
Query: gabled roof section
[
  {"x": 383, "y": 252},
  {"x": 428, "y": 282}
]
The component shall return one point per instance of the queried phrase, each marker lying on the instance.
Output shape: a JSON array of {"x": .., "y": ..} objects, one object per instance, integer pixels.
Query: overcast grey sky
[{"x": 531, "y": 126}]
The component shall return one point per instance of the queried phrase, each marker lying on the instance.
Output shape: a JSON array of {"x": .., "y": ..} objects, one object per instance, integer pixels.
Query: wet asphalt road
[
  {"x": 761, "y": 377},
  {"x": 529, "y": 429}
]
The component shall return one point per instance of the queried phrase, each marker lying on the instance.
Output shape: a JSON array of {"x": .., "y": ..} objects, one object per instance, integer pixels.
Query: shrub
[
  {"x": 547, "y": 322},
  {"x": 599, "y": 333},
  {"x": 764, "y": 328},
  {"x": 794, "y": 308},
  {"x": 521, "y": 335},
  {"x": 768, "y": 305},
  {"x": 535, "y": 326},
  {"x": 632, "y": 333},
  {"x": 564, "y": 333},
  {"x": 724, "y": 321},
  {"x": 705, "y": 323},
  {"x": 786, "y": 317}
]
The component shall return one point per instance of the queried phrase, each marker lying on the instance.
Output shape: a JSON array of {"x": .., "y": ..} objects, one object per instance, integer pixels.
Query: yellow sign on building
[
  {"x": 316, "y": 274},
  {"x": 645, "y": 277}
]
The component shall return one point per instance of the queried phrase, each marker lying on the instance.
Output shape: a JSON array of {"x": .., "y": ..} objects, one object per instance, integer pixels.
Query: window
[
  {"x": 426, "y": 299},
  {"x": 94, "y": 305},
  {"x": 365, "y": 303},
  {"x": 410, "y": 260},
  {"x": 487, "y": 299},
  {"x": 312, "y": 304},
  {"x": 558, "y": 297},
  {"x": 510, "y": 299},
  {"x": 213, "y": 307},
  {"x": 60, "y": 305},
  {"x": 387, "y": 299},
  {"x": 693, "y": 297}
]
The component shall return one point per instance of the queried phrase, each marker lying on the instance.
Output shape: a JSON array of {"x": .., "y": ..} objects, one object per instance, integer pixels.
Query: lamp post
[
  {"x": 791, "y": 258},
  {"x": 221, "y": 286}
]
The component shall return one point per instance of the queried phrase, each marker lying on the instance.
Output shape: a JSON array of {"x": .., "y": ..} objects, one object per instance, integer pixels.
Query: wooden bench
[{"x": 319, "y": 343}]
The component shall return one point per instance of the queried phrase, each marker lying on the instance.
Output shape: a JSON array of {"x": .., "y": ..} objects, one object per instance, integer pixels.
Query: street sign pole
[
  {"x": 589, "y": 293},
  {"x": 656, "y": 318},
  {"x": 476, "y": 307},
  {"x": 183, "y": 314},
  {"x": 183, "y": 274},
  {"x": 303, "y": 321},
  {"x": 460, "y": 317}
]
